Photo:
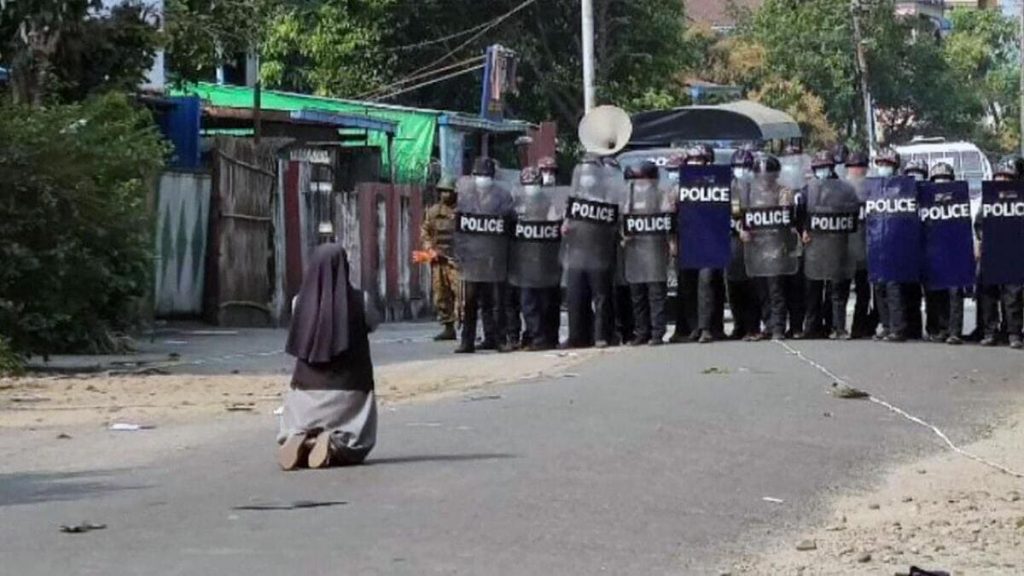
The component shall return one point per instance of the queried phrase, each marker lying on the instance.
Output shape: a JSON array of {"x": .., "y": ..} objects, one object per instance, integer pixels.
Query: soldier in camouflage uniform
[{"x": 436, "y": 236}]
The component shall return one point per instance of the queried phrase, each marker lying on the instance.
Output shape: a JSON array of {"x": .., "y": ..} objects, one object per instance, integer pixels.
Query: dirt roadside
[
  {"x": 945, "y": 512},
  {"x": 59, "y": 402}
]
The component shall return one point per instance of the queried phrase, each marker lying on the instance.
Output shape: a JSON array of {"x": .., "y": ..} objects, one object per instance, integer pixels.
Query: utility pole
[
  {"x": 1022, "y": 77},
  {"x": 588, "y": 54},
  {"x": 862, "y": 64}
]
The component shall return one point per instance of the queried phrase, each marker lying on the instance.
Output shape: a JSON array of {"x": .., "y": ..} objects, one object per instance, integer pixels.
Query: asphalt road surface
[{"x": 645, "y": 461}]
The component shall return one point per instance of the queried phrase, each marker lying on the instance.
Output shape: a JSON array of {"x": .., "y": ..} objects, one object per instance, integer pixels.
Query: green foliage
[
  {"x": 64, "y": 51},
  {"x": 11, "y": 363},
  {"x": 328, "y": 48},
  {"x": 203, "y": 33},
  {"x": 75, "y": 234}
]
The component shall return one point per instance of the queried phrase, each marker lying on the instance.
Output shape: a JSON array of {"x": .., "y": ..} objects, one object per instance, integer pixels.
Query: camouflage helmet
[
  {"x": 823, "y": 159},
  {"x": 484, "y": 166},
  {"x": 857, "y": 159},
  {"x": 547, "y": 163},
  {"x": 943, "y": 171},
  {"x": 889, "y": 157},
  {"x": 1009, "y": 166},
  {"x": 529, "y": 176},
  {"x": 915, "y": 167}
]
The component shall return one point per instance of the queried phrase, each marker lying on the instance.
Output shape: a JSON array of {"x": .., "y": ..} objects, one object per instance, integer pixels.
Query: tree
[
  {"x": 75, "y": 234},
  {"x": 806, "y": 108},
  {"x": 201, "y": 34},
  {"x": 63, "y": 51},
  {"x": 982, "y": 51},
  {"x": 330, "y": 48}
]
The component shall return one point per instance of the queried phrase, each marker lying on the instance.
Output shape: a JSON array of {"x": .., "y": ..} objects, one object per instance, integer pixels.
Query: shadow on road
[
  {"x": 437, "y": 458},
  {"x": 36, "y": 488}
]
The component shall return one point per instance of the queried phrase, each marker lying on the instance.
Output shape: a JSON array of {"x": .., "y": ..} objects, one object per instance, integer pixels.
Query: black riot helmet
[
  {"x": 484, "y": 166},
  {"x": 942, "y": 172},
  {"x": 647, "y": 170},
  {"x": 766, "y": 164},
  {"x": 742, "y": 158},
  {"x": 1010, "y": 167}
]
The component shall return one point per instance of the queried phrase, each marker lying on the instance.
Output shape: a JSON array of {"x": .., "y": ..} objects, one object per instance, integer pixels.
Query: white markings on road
[{"x": 896, "y": 410}]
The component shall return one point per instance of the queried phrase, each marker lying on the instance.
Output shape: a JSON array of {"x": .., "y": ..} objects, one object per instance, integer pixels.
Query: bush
[
  {"x": 10, "y": 362},
  {"x": 75, "y": 228}
]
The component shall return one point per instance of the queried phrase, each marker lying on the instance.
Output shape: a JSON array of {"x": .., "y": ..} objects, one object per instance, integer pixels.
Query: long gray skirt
[{"x": 349, "y": 415}]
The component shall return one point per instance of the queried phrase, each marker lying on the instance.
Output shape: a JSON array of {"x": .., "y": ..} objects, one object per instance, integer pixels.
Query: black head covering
[{"x": 320, "y": 322}]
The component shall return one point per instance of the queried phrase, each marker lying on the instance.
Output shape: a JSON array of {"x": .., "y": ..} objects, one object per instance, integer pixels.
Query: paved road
[{"x": 641, "y": 464}]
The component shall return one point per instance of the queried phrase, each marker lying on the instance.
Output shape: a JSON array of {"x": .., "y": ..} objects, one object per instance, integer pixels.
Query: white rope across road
[{"x": 896, "y": 410}]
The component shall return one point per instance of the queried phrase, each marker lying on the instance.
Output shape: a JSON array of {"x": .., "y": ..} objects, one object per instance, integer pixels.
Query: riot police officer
[
  {"x": 865, "y": 314},
  {"x": 902, "y": 317},
  {"x": 996, "y": 298},
  {"x": 829, "y": 262},
  {"x": 482, "y": 239},
  {"x": 701, "y": 293},
  {"x": 647, "y": 226},
  {"x": 951, "y": 321},
  {"x": 770, "y": 237},
  {"x": 741, "y": 289}
]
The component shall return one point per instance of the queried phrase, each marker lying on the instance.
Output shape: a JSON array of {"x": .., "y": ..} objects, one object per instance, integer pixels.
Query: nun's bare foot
[
  {"x": 320, "y": 454},
  {"x": 293, "y": 452}
]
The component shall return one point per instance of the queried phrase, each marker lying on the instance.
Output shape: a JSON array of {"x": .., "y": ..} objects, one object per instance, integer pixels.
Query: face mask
[
  {"x": 840, "y": 171},
  {"x": 673, "y": 176},
  {"x": 740, "y": 173},
  {"x": 642, "y": 185},
  {"x": 547, "y": 179},
  {"x": 531, "y": 190},
  {"x": 822, "y": 173},
  {"x": 588, "y": 181},
  {"x": 885, "y": 171},
  {"x": 483, "y": 181},
  {"x": 917, "y": 176},
  {"x": 941, "y": 179}
]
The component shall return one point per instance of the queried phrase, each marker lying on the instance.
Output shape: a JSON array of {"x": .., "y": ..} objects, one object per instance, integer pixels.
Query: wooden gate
[{"x": 240, "y": 273}]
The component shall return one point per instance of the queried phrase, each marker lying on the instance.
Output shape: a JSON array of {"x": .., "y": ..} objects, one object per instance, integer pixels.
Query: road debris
[
  {"x": 81, "y": 528},
  {"x": 715, "y": 370},
  {"x": 848, "y": 392},
  {"x": 806, "y": 545},
  {"x": 483, "y": 398},
  {"x": 773, "y": 500},
  {"x": 129, "y": 427}
]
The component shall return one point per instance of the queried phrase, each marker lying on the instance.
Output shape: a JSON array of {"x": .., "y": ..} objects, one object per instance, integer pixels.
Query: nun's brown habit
[{"x": 332, "y": 389}]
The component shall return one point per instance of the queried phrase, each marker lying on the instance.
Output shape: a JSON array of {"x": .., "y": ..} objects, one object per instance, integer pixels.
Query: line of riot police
[{"x": 785, "y": 242}]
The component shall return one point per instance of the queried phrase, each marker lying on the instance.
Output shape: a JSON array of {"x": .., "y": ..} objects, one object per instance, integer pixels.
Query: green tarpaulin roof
[{"x": 413, "y": 142}]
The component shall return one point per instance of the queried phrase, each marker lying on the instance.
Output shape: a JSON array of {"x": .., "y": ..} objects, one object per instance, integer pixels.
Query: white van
[{"x": 967, "y": 160}]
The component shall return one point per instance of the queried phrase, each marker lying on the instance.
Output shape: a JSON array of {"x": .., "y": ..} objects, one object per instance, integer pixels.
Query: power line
[
  {"x": 493, "y": 23},
  {"x": 408, "y": 79},
  {"x": 440, "y": 40},
  {"x": 428, "y": 83}
]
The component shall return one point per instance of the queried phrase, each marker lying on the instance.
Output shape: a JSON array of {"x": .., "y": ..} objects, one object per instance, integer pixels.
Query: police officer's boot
[
  {"x": 446, "y": 333},
  {"x": 1015, "y": 342}
]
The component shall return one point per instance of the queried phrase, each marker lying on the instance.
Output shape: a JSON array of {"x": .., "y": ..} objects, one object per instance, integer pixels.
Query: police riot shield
[
  {"x": 703, "y": 217},
  {"x": 483, "y": 222},
  {"x": 769, "y": 221},
  {"x": 737, "y": 269},
  {"x": 794, "y": 172},
  {"x": 858, "y": 239},
  {"x": 945, "y": 212},
  {"x": 833, "y": 214},
  {"x": 537, "y": 236},
  {"x": 647, "y": 226},
  {"x": 1002, "y": 233},
  {"x": 893, "y": 230},
  {"x": 591, "y": 219}
]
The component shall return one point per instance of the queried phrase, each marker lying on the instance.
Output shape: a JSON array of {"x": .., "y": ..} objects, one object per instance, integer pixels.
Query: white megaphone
[{"x": 605, "y": 130}]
